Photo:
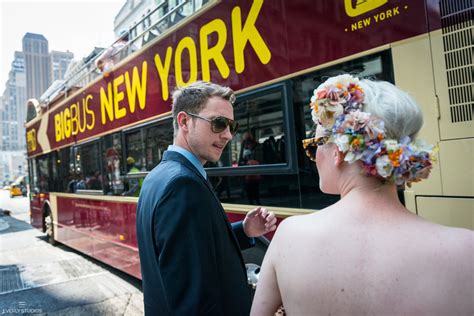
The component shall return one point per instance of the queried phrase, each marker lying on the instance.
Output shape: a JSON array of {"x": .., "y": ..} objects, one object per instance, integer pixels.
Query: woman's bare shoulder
[
  {"x": 460, "y": 239},
  {"x": 454, "y": 242},
  {"x": 299, "y": 226}
]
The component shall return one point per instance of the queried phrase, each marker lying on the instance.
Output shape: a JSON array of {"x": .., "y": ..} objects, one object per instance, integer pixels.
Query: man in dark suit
[{"x": 190, "y": 255}]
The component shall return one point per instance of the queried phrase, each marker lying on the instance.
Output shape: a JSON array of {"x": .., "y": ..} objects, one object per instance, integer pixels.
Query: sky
[{"x": 77, "y": 26}]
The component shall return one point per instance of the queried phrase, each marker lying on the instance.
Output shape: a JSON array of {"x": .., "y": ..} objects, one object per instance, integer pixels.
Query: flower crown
[{"x": 336, "y": 108}]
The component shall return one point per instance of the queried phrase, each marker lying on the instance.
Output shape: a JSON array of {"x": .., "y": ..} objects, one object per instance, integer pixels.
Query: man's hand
[{"x": 258, "y": 222}]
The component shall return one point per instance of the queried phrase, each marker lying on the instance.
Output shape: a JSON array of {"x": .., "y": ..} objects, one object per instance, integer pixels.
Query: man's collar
[{"x": 189, "y": 156}]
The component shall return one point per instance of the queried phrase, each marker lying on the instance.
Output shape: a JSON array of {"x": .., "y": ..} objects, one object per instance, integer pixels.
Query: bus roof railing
[{"x": 88, "y": 71}]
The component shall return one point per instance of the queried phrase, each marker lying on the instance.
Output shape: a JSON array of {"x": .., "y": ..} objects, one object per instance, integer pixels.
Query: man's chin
[{"x": 214, "y": 159}]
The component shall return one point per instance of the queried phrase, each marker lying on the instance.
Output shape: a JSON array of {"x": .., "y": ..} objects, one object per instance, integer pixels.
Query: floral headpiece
[{"x": 336, "y": 108}]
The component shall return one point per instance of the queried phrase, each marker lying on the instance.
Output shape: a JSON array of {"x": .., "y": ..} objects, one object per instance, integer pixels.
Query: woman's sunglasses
[
  {"x": 219, "y": 124},
  {"x": 311, "y": 144}
]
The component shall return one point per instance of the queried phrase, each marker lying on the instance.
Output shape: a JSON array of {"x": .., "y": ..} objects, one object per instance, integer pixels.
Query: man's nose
[{"x": 226, "y": 134}]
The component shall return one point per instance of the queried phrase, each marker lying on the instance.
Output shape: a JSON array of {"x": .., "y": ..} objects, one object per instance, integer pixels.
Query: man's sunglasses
[
  {"x": 219, "y": 124},
  {"x": 311, "y": 144}
]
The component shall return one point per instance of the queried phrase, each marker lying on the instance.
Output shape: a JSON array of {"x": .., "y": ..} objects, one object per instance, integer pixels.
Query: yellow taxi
[{"x": 17, "y": 190}]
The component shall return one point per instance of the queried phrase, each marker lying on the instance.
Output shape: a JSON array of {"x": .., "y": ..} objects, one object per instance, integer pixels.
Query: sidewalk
[{"x": 41, "y": 279}]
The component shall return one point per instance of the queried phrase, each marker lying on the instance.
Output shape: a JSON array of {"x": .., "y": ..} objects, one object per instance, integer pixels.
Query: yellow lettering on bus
[
  {"x": 58, "y": 127},
  {"x": 163, "y": 72},
  {"x": 74, "y": 118},
  {"x": 31, "y": 137},
  {"x": 136, "y": 87},
  {"x": 185, "y": 43},
  {"x": 106, "y": 104},
  {"x": 248, "y": 33},
  {"x": 67, "y": 123},
  {"x": 85, "y": 103},
  {"x": 118, "y": 96},
  {"x": 83, "y": 121},
  {"x": 362, "y": 7},
  {"x": 213, "y": 53}
]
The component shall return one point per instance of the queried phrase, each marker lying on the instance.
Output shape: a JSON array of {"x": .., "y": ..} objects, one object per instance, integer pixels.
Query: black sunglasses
[
  {"x": 311, "y": 144},
  {"x": 219, "y": 124}
]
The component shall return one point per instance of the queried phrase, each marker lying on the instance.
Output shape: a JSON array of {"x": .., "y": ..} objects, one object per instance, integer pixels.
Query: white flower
[
  {"x": 329, "y": 114},
  {"x": 421, "y": 146},
  {"x": 337, "y": 109},
  {"x": 384, "y": 166},
  {"x": 391, "y": 145},
  {"x": 342, "y": 142},
  {"x": 351, "y": 157},
  {"x": 344, "y": 80}
]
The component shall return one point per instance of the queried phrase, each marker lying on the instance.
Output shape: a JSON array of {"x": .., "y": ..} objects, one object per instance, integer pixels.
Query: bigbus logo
[
  {"x": 358, "y": 7},
  {"x": 31, "y": 140}
]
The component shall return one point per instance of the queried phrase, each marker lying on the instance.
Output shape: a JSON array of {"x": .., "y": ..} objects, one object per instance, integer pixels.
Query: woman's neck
[{"x": 369, "y": 192}]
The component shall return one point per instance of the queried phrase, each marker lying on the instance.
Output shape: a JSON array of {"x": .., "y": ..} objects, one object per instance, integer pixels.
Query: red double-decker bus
[{"x": 273, "y": 54}]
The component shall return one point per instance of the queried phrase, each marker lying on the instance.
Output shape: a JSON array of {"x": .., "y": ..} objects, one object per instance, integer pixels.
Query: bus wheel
[
  {"x": 48, "y": 227},
  {"x": 253, "y": 258}
]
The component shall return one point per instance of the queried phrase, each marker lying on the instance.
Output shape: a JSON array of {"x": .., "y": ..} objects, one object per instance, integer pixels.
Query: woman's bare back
[{"x": 335, "y": 262}]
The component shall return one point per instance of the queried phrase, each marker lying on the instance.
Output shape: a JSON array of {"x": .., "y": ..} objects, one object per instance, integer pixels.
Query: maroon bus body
[{"x": 300, "y": 35}]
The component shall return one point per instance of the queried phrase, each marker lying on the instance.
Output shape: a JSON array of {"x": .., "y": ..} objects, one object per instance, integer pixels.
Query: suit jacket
[{"x": 190, "y": 258}]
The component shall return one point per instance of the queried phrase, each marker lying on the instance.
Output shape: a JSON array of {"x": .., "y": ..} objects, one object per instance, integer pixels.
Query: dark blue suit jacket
[{"x": 190, "y": 258}]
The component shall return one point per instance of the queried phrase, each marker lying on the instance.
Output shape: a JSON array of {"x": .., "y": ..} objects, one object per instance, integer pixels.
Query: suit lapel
[{"x": 172, "y": 155}]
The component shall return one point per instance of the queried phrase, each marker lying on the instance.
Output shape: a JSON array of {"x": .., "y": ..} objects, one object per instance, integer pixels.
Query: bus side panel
[
  {"x": 457, "y": 181},
  {"x": 412, "y": 57},
  {"x": 36, "y": 212},
  {"x": 325, "y": 31},
  {"x": 113, "y": 228},
  {"x": 74, "y": 218},
  {"x": 102, "y": 229},
  {"x": 451, "y": 211}
]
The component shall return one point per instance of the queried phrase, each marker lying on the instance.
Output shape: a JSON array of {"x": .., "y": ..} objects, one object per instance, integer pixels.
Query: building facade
[
  {"x": 13, "y": 114},
  {"x": 146, "y": 19},
  {"x": 12, "y": 119},
  {"x": 59, "y": 62},
  {"x": 38, "y": 64}
]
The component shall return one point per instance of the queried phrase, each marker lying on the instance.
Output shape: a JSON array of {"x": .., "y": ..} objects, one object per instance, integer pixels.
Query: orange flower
[
  {"x": 394, "y": 157},
  {"x": 355, "y": 142}
]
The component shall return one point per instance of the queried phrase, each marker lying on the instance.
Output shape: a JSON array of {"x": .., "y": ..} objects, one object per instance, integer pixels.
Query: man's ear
[
  {"x": 182, "y": 119},
  {"x": 338, "y": 156}
]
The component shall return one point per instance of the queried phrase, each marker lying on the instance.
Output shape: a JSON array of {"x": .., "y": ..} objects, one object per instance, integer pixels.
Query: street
[{"x": 41, "y": 279}]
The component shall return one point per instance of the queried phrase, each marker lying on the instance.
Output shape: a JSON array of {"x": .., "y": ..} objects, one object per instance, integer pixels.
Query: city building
[
  {"x": 37, "y": 62},
  {"x": 12, "y": 119},
  {"x": 13, "y": 112},
  {"x": 59, "y": 63},
  {"x": 147, "y": 19}
]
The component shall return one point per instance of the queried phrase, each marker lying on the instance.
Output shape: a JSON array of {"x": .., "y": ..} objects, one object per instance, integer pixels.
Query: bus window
[
  {"x": 260, "y": 139},
  {"x": 372, "y": 66},
  {"x": 87, "y": 166},
  {"x": 44, "y": 180},
  {"x": 113, "y": 164},
  {"x": 62, "y": 171},
  {"x": 136, "y": 148},
  {"x": 157, "y": 139}
]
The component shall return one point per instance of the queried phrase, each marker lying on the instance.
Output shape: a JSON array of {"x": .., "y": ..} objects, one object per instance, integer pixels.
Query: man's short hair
[{"x": 193, "y": 97}]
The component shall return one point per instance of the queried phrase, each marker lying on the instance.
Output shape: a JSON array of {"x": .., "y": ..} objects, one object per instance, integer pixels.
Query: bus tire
[
  {"x": 48, "y": 226},
  {"x": 253, "y": 258}
]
